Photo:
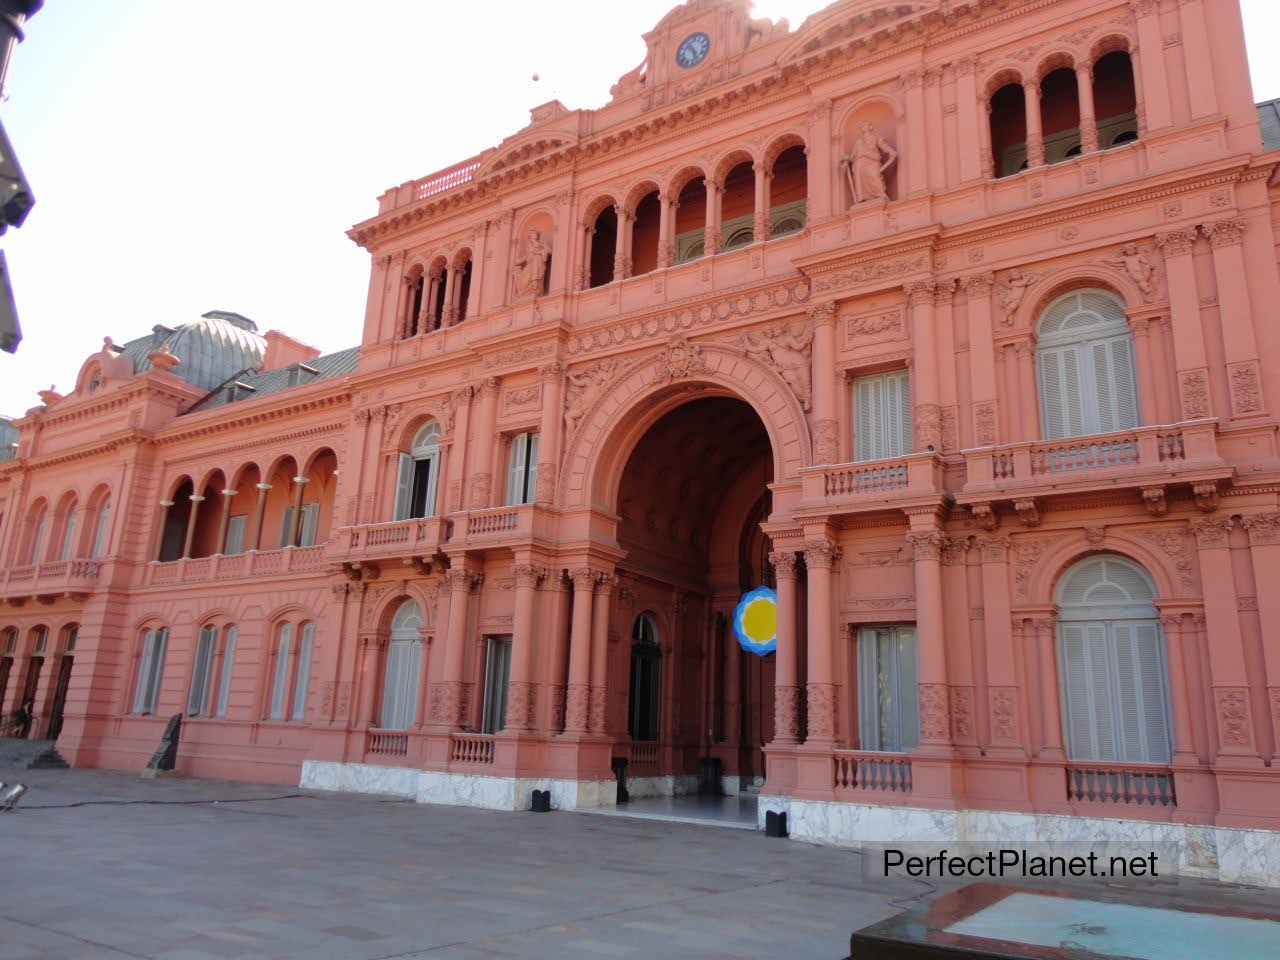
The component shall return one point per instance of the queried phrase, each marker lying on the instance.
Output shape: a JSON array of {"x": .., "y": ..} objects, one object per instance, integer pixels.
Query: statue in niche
[
  {"x": 530, "y": 271},
  {"x": 585, "y": 386},
  {"x": 1015, "y": 290},
  {"x": 1140, "y": 269},
  {"x": 864, "y": 168},
  {"x": 787, "y": 352}
]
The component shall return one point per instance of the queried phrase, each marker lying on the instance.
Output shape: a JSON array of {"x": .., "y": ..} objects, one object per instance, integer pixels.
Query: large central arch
[{"x": 643, "y": 390}]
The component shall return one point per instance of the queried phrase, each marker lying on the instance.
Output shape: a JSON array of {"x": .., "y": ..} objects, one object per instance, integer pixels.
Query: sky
[{"x": 193, "y": 155}]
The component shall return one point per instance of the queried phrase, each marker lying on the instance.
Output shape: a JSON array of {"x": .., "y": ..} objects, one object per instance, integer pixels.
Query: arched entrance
[{"x": 690, "y": 500}]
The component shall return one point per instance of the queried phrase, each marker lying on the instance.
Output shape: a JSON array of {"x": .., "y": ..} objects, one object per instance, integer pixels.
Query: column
[
  {"x": 482, "y": 461},
  {"x": 1201, "y": 83},
  {"x": 455, "y": 426},
  {"x": 450, "y": 314},
  {"x": 711, "y": 240},
  {"x": 497, "y": 279},
  {"x": 931, "y": 654},
  {"x": 760, "y": 224},
  {"x": 1009, "y": 373},
  {"x": 600, "y": 651},
  {"x": 826, "y": 435},
  {"x": 583, "y": 280},
  {"x": 1184, "y": 750},
  {"x": 1188, "y": 334},
  {"x": 259, "y": 512},
  {"x": 1050, "y": 706},
  {"x": 944, "y": 346},
  {"x": 927, "y": 415},
  {"x": 1002, "y": 678},
  {"x": 521, "y": 692},
  {"x": 224, "y": 521},
  {"x": 1027, "y": 397},
  {"x": 550, "y": 423},
  {"x": 196, "y": 500},
  {"x": 971, "y": 119},
  {"x": 430, "y": 285},
  {"x": 295, "y": 520},
  {"x": 1226, "y": 238},
  {"x": 1145, "y": 362},
  {"x": 666, "y": 216},
  {"x": 1153, "y": 77},
  {"x": 1235, "y": 711},
  {"x": 561, "y": 246},
  {"x": 479, "y": 246},
  {"x": 822, "y": 692},
  {"x": 936, "y": 151},
  {"x": 460, "y": 582},
  {"x": 786, "y": 692},
  {"x": 578, "y": 696},
  {"x": 160, "y": 525},
  {"x": 622, "y": 247},
  {"x": 822, "y": 155},
  {"x": 984, "y": 385},
  {"x": 1264, "y": 545},
  {"x": 1088, "y": 112},
  {"x": 916, "y": 154},
  {"x": 1035, "y": 138},
  {"x": 368, "y": 680}
]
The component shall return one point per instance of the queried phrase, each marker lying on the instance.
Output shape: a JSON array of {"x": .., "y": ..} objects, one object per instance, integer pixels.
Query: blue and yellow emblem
[{"x": 755, "y": 621}]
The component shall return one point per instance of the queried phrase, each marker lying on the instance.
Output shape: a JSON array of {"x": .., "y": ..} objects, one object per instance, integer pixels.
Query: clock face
[{"x": 693, "y": 49}]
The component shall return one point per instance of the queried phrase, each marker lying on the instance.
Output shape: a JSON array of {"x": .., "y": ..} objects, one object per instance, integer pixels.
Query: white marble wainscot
[
  {"x": 359, "y": 778},
  {"x": 1234, "y": 855},
  {"x": 681, "y": 785}
]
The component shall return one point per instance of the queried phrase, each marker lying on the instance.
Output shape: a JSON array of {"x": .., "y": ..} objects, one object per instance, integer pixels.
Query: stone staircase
[{"x": 29, "y": 755}]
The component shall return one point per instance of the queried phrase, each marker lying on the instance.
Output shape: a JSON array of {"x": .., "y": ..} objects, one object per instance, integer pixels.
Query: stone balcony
[
  {"x": 1148, "y": 459},
  {"x": 48, "y": 581},
  {"x": 255, "y": 564},
  {"x": 896, "y": 482},
  {"x": 364, "y": 546}
]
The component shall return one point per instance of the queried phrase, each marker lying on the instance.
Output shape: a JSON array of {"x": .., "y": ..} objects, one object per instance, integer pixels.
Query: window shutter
[
  {"x": 36, "y": 540},
  {"x": 235, "y": 535},
  {"x": 1140, "y": 685},
  {"x": 531, "y": 488},
  {"x": 278, "y": 687},
  {"x": 391, "y": 687},
  {"x": 68, "y": 538},
  {"x": 899, "y": 414},
  {"x": 1116, "y": 391},
  {"x": 144, "y": 672},
  {"x": 310, "y": 521},
  {"x": 908, "y": 690},
  {"x": 404, "y": 487},
  {"x": 433, "y": 482},
  {"x": 200, "y": 667},
  {"x": 868, "y": 691},
  {"x": 286, "y": 524},
  {"x": 863, "y": 418},
  {"x": 100, "y": 534},
  {"x": 158, "y": 651},
  {"x": 515, "y": 468},
  {"x": 1051, "y": 394},
  {"x": 224, "y": 682},
  {"x": 1087, "y": 700},
  {"x": 304, "y": 672}
]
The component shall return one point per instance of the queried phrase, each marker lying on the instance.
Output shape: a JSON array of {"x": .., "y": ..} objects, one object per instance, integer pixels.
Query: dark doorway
[
  {"x": 59, "y": 698},
  {"x": 646, "y": 671}
]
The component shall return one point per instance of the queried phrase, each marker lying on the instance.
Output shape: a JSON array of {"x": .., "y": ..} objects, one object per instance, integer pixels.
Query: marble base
[
  {"x": 682, "y": 785},
  {"x": 456, "y": 789},
  {"x": 1228, "y": 854}
]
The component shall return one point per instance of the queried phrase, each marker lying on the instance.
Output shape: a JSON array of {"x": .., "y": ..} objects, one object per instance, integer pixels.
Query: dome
[{"x": 213, "y": 349}]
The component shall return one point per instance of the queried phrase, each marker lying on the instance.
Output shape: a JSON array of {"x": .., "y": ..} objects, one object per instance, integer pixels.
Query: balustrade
[
  {"x": 471, "y": 748},
  {"x": 1135, "y": 784},
  {"x": 856, "y": 771}
]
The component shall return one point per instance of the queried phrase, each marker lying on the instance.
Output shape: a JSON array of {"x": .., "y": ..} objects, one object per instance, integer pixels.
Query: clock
[{"x": 693, "y": 50}]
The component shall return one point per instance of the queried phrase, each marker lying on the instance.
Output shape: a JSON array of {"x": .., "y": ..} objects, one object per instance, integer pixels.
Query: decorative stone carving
[
  {"x": 445, "y": 702},
  {"x": 985, "y": 515},
  {"x": 885, "y": 270},
  {"x": 1174, "y": 544},
  {"x": 1211, "y": 533},
  {"x": 1013, "y": 293},
  {"x": 1234, "y": 727},
  {"x": 1028, "y": 511},
  {"x": 1156, "y": 503},
  {"x": 994, "y": 549},
  {"x": 481, "y": 487},
  {"x": 597, "y": 709},
  {"x": 584, "y": 388},
  {"x": 681, "y": 359},
  {"x": 821, "y": 708},
  {"x": 826, "y": 441},
  {"x": 557, "y": 706},
  {"x": 783, "y": 563},
  {"x": 584, "y": 580},
  {"x": 521, "y": 705},
  {"x": 927, "y": 544},
  {"x": 1095, "y": 535},
  {"x": 962, "y": 712},
  {"x": 461, "y": 580},
  {"x": 935, "y": 720},
  {"x": 787, "y": 351},
  {"x": 984, "y": 424},
  {"x": 927, "y": 426},
  {"x": 1206, "y": 495},
  {"x": 954, "y": 550},
  {"x": 1139, "y": 268},
  {"x": 872, "y": 324},
  {"x": 1004, "y": 714},
  {"x": 577, "y": 707},
  {"x": 821, "y": 553},
  {"x": 528, "y": 574},
  {"x": 823, "y": 314},
  {"x": 1176, "y": 243},
  {"x": 978, "y": 285},
  {"x": 1027, "y": 554},
  {"x": 545, "y": 485},
  {"x": 1246, "y": 394},
  {"x": 1263, "y": 528},
  {"x": 1224, "y": 233},
  {"x": 865, "y": 166},
  {"x": 1194, "y": 388}
]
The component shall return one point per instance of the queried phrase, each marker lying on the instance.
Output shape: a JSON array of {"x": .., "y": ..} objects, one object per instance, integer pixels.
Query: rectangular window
[
  {"x": 228, "y": 658},
  {"x": 310, "y": 523},
  {"x": 150, "y": 670},
  {"x": 68, "y": 537},
  {"x": 235, "y": 534},
  {"x": 888, "y": 701},
  {"x": 201, "y": 670},
  {"x": 100, "y": 531},
  {"x": 303, "y": 673},
  {"x": 286, "y": 527},
  {"x": 279, "y": 687},
  {"x": 42, "y": 639},
  {"x": 882, "y": 416},
  {"x": 73, "y": 634},
  {"x": 416, "y": 485},
  {"x": 400, "y": 684},
  {"x": 496, "y": 672},
  {"x": 11, "y": 641},
  {"x": 522, "y": 469}
]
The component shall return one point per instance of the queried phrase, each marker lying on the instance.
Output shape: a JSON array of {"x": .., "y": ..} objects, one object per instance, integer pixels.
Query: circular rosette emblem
[{"x": 755, "y": 621}]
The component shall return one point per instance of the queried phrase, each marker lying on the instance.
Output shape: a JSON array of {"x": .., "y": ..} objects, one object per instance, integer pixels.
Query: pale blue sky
[{"x": 210, "y": 154}]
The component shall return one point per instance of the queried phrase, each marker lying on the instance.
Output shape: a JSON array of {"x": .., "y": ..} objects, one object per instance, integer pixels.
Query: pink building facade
[{"x": 947, "y": 319}]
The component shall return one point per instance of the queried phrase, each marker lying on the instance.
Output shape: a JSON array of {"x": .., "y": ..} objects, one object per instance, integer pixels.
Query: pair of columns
[
  {"x": 1032, "y": 93},
  {"x": 224, "y": 522},
  {"x": 451, "y": 279},
  {"x": 588, "y": 651}
]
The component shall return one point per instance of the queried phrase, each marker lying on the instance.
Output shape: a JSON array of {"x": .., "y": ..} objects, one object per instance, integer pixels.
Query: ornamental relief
[
  {"x": 885, "y": 270},
  {"x": 876, "y": 325}
]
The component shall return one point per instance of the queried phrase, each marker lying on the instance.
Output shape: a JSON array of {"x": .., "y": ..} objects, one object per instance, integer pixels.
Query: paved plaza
[{"x": 100, "y": 864}]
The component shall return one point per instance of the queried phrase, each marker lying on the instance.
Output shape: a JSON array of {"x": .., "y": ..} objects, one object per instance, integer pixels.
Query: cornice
[
  {"x": 188, "y": 431},
  {"x": 132, "y": 436},
  {"x": 305, "y": 433},
  {"x": 140, "y": 387}
]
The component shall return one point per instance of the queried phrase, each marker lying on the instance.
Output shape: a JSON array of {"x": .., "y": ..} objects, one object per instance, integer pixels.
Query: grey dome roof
[{"x": 212, "y": 349}]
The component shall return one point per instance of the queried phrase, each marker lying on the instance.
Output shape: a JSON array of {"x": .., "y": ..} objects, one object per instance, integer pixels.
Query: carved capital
[
  {"x": 460, "y": 580},
  {"x": 783, "y": 563},
  {"x": 978, "y": 285},
  {"x": 943, "y": 292},
  {"x": 1224, "y": 233},
  {"x": 1177, "y": 243},
  {"x": 489, "y": 387},
  {"x": 1211, "y": 532},
  {"x": 823, "y": 314},
  {"x": 821, "y": 553},
  {"x": 994, "y": 549},
  {"x": 605, "y": 582},
  {"x": 927, "y": 544},
  {"x": 528, "y": 574},
  {"x": 966, "y": 66},
  {"x": 1263, "y": 528},
  {"x": 584, "y": 579},
  {"x": 551, "y": 371},
  {"x": 919, "y": 292}
]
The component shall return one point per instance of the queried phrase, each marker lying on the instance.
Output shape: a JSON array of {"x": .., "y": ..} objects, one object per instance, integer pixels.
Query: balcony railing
[
  {"x": 471, "y": 748},
  {"x": 446, "y": 179},
  {"x": 1136, "y": 784},
  {"x": 1149, "y": 452},
  {"x": 860, "y": 771},
  {"x": 56, "y": 576},
  {"x": 644, "y": 759},
  {"x": 255, "y": 563},
  {"x": 484, "y": 522},
  {"x": 873, "y": 482},
  {"x": 385, "y": 744},
  {"x": 399, "y": 538}
]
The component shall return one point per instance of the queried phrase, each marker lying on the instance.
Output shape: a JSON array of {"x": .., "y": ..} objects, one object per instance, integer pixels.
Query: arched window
[
  {"x": 404, "y": 659},
  {"x": 100, "y": 533},
  {"x": 1084, "y": 360},
  {"x": 292, "y": 670},
  {"x": 212, "y": 662},
  {"x": 146, "y": 691},
  {"x": 1111, "y": 663},
  {"x": 35, "y": 534},
  {"x": 646, "y": 672},
  {"x": 419, "y": 475},
  {"x": 67, "y": 522}
]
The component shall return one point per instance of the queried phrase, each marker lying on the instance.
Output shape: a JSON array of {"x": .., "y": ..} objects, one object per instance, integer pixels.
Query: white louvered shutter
[
  {"x": 286, "y": 525},
  {"x": 281, "y": 681},
  {"x": 310, "y": 523},
  {"x": 532, "y": 487},
  {"x": 1140, "y": 688},
  {"x": 200, "y": 668},
  {"x": 908, "y": 690},
  {"x": 432, "y": 466},
  {"x": 68, "y": 538},
  {"x": 100, "y": 533},
  {"x": 1061, "y": 398},
  {"x": 1087, "y": 698},
  {"x": 144, "y": 672},
  {"x": 865, "y": 406},
  {"x": 235, "y": 535},
  {"x": 897, "y": 414},
  {"x": 224, "y": 682},
  {"x": 304, "y": 672},
  {"x": 391, "y": 687},
  {"x": 1114, "y": 386},
  {"x": 404, "y": 487},
  {"x": 515, "y": 468}
]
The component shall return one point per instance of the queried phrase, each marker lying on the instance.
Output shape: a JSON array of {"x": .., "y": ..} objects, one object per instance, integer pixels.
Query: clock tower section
[{"x": 697, "y": 45}]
